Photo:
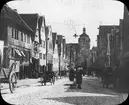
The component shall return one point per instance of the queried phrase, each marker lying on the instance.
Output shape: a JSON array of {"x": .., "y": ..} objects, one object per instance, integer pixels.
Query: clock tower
[{"x": 84, "y": 44}]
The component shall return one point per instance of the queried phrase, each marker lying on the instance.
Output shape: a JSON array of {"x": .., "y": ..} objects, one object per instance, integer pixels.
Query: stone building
[
  {"x": 84, "y": 45},
  {"x": 108, "y": 43}
]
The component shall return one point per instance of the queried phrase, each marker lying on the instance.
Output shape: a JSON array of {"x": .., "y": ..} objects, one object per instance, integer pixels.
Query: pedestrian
[
  {"x": 79, "y": 73},
  {"x": 71, "y": 74}
]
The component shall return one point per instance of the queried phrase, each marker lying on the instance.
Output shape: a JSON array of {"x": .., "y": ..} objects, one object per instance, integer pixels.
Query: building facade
[
  {"x": 17, "y": 37},
  {"x": 55, "y": 53},
  {"x": 33, "y": 21},
  {"x": 49, "y": 45},
  {"x": 42, "y": 46},
  {"x": 108, "y": 42}
]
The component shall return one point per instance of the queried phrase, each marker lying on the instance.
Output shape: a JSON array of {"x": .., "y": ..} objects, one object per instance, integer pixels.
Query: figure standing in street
[
  {"x": 71, "y": 74},
  {"x": 79, "y": 73}
]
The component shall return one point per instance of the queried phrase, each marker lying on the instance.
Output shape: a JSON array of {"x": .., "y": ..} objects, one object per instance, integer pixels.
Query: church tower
[{"x": 84, "y": 43}]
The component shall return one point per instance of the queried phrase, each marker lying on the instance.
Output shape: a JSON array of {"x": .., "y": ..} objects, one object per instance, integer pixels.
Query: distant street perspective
[{"x": 64, "y": 52}]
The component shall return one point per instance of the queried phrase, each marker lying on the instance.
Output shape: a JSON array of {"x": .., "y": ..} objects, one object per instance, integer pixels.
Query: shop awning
[
  {"x": 18, "y": 52},
  {"x": 23, "y": 53}
]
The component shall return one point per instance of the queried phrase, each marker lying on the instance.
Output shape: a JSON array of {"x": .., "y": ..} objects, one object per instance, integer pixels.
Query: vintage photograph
[{"x": 64, "y": 52}]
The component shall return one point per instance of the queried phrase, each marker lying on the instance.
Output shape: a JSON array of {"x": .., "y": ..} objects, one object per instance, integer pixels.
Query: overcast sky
[{"x": 68, "y": 17}]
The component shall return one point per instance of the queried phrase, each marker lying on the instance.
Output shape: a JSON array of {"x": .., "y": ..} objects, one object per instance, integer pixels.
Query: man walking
[
  {"x": 71, "y": 74},
  {"x": 79, "y": 73}
]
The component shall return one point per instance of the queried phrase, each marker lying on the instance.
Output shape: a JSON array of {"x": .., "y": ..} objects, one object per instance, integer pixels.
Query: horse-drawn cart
[
  {"x": 7, "y": 75},
  {"x": 109, "y": 77},
  {"x": 47, "y": 77}
]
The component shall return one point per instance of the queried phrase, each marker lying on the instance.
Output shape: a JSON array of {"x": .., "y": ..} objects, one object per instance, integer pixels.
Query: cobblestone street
[{"x": 91, "y": 93}]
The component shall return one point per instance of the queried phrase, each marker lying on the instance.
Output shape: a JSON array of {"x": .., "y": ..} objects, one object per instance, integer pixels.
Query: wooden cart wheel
[{"x": 12, "y": 82}]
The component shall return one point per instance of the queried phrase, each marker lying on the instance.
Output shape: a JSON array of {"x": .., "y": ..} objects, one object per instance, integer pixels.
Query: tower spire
[{"x": 84, "y": 30}]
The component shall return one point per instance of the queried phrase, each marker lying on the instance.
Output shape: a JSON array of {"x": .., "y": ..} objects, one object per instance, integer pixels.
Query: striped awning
[
  {"x": 18, "y": 52},
  {"x": 23, "y": 53}
]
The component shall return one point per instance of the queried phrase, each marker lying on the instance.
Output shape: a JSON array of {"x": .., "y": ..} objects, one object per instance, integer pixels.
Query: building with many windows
[
  {"x": 36, "y": 23},
  {"x": 42, "y": 46},
  {"x": 17, "y": 37}
]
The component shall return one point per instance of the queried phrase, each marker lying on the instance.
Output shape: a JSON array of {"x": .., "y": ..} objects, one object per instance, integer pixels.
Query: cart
[
  {"x": 47, "y": 77},
  {"x": 7, "y": 75},
  {"x": 109, "y": 78}
]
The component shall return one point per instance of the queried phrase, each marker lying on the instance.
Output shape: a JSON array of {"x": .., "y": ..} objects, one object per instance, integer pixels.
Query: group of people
[{"x": 76, "y": 74}]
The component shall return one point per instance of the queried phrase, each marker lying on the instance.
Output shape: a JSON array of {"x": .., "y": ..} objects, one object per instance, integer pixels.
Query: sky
[{"x": 68, "y": 17}]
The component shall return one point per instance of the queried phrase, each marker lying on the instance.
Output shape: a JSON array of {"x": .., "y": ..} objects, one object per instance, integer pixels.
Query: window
[
  {"x": 50, "y": 45},
  {"x": 40, "y": 55},
  {"x": 24, "y": 37},
  {"x": 21, "y": 36},
  {"x": 28, "y": 39},
  {"x": 12, "y": 33},
  {"x": 16, "y": 34},
  {"x": 12, "y": 52},
  {"x": 44, "y": 56},
  {"x": 43, "y": 44}
]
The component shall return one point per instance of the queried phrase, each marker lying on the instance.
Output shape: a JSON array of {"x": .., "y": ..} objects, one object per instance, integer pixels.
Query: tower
[{"x": 84, "y": 43}]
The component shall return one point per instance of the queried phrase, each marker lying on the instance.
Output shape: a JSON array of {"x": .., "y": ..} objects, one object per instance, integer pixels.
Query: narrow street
[{"x": 92, "y": 93}]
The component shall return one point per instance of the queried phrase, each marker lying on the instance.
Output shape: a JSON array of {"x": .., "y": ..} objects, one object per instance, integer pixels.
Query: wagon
[
  {"x": 47, "y": 77},
  {"x": 109, "y": 78},
  {"x": 7, "y": 75}
]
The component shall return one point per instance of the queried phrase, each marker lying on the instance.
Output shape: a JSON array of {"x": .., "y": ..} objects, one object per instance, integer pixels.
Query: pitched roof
[
  {"x": 8, "y": 13},
  {"x": 31, "y": 20}
]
